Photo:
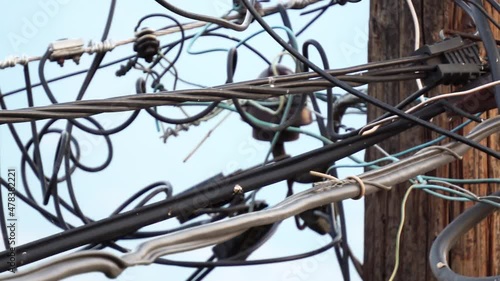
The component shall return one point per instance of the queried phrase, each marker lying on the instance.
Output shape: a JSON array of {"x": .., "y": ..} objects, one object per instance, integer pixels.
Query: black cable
[
  {"x": 289, "y": 122},
  {"x": 369, "y": 99},
  {"x": 149, "y": 234},
  {"x": 438, "y": 255},
  {"x": 109, "y": 20},
  {"x": 287, "y": 23},
  {"x": 177, "y": 24},
  {"x": 343, "y": 257},
  {"x": 3, "y": 226},
  {"x": 489, "y": 44},
  {"x": 190, "y": 119},
  {"x": 199, "y": 270},
  {"x": 165, "y": 187},
  {"x": 329, "y": 93},
  {"x": 116, "y": 226},
  {"x": 494, "y": 4},
  {"x": 484, "y": 12},
  {"x": 332, "y": 2},
  {"x": 26, "y": 159},
  {"x": 52, "y": 189},
  {"x": 232, "y": 63},
  {"x": 64, "y": 145},
  {"x": 460, "y": 111},
  {"x": 178, "y": 54},
  {"x": 330, "y": 132},
  {"x": 139, "y": 193},
  {"x": 33, "y": 205},
  {"x": 313, "y": 20},
  {"x": 34, "y": 132},
  {"x": 25, "y": 155},
  {"x": 411, "y": 98},
  {"x": 319, "y": 119},
  {"x": 109, "y": 145},
  {"x": 205, "y": 273},
  {"x": 58, "y": 159},
  {"x": 69, "y": 183},
  {"x": 145, "y": 200},
  {"x": 370, "y": 65},
  {"x": 248, "y": 262}
]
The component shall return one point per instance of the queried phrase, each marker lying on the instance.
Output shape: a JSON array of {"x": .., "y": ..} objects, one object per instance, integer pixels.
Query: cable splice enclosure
[{"x": 456, "y": 61}]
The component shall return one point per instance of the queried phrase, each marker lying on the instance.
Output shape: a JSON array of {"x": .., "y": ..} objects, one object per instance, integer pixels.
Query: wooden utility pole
[{"x": 478, "y": 252}]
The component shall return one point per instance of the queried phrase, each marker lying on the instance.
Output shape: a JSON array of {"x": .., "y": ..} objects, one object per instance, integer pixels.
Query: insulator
[
  {"x": 286, "y": 136},
  {"x": 146, "y": 44}
]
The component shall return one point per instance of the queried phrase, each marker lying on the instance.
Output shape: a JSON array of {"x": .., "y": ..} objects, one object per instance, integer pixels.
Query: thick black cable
[
  {"x": 369, "y": 99},
  {"x": 438, "y": 255}
]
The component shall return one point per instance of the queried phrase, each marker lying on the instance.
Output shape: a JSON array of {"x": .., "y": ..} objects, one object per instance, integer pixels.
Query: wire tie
[
  {"x": 369, "y": 131},
  {"x": 440, "y": 265},
  {"x": 322, "y": 175},
  {"x": 445, "y": 149},
  {"x": 362, "y": 187}
]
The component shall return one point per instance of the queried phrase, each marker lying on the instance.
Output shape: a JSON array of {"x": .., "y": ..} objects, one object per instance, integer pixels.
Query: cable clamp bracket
[{"x": 65, "y": 49}]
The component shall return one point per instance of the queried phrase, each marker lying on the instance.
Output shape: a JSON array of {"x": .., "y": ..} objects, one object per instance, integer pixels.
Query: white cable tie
[
  {"x": 12, "y": 61},
  {"x": 100, "y": 47}
]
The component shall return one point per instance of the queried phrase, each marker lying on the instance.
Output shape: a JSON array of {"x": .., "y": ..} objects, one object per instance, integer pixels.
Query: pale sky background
[{"x": 140, "y": 157}]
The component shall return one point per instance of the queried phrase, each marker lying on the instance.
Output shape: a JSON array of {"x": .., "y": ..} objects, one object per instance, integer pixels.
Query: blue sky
[{"x": 140, "y": 156}]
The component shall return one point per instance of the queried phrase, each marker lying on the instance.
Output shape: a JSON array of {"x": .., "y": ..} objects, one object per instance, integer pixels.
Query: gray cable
[
  {"x": 447, "y": 238},
  {"x": 215, "y": 20}
]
